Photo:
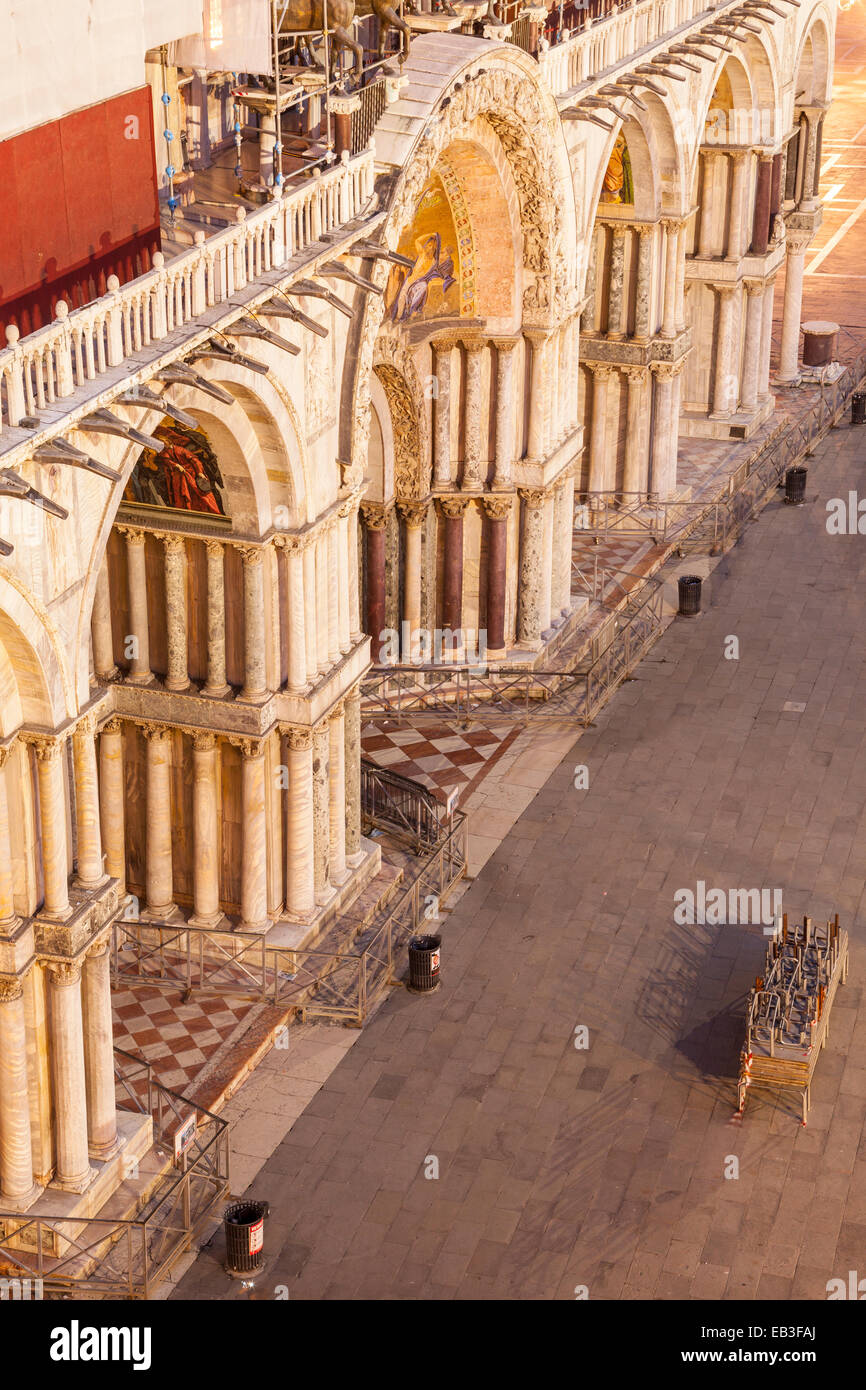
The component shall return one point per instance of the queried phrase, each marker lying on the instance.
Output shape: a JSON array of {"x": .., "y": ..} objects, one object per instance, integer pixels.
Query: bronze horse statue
[{"x": 306, "y": 15}]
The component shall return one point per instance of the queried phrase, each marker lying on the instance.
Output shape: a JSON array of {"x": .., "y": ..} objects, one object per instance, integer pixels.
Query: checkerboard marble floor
[
  {"x": 441, "y": 758},
  {"x": 179, "y": 1040}
]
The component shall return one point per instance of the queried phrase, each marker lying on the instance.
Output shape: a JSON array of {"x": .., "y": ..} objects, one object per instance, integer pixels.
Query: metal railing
[
  {"x": 479, "y": 695},
  {"x": 104, "y": 1257},
  {"x": 401, "y": 806},
  {"x": 340, "y": 985}
]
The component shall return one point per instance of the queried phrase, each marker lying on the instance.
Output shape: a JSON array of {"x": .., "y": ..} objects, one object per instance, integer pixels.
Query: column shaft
[
  {"x": 66, "y": 1031},
  {"x": 442, "y": 415},
  {"x": 111, "y": 800},
  {"x": 103, "y": 642},
  {"x": 321, "y": 813},
  {"x": 766, "y": 339},
  {"x": 344, "y": 624},
  {"x": 504, "y": 445},
  {"x": 471, "y": 480},
  {"x": 99, "y": 1052},
  {"x": 255, "y": 683},
  {"x": 205, "y": 817},
  {"x": 16, "y": 1155},
  {"x": 216, "y": 621},
  {"x": 7, "y": 877},
  {"x": 752, "y": 344},
  {"x": 52, "y": 821},
  {"x": 452, "y": 585},
  {"x": 529, "y": 592},
  {"x": 353, "y": 778},
  {"x": 669, "y": 309},
  {"x": 300, "y": 885},
  {"x": 741, "y": 161},
  {"x": 789, "y": 355},
  {"x": 139, "y": 661},
  {"x": 616, "y": 283},
  {"x": 634, "y": 468},
  {"x": 311, "y": 644},
  {"x": 323, "y": 629},
  {"x": 374, "y": 520},
  {"x": 723, "y": 384},
  {"x": 643, "y": 287},
  {"x": 598, "y": 462},
  {"x": 254, "y": 869},
  {"x": 158, "y": 850},
  {"x": 763, "y": 190},
  {"x": 177, "y": 676},
  {"x": 90, "y": 869},
  {"x": 337, "y": 796}
]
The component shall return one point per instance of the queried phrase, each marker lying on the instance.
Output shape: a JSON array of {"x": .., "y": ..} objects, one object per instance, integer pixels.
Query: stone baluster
[
  {"x": 99, "y": 1051},
  {"x": 103, "y": 642},
  {"x": 300, "y": 877},
  {"x": 216, "y": 685},
  {"x": 254, "y": 866},
  {"x": 177, "y": 677},
  {"x": 159, "y": 883},
  {"x": 90, "y": 867},
  {"x": 529, "y": 593},
  {"x": 139, "y": 653},
  {"x": 205, "y": 826},
  {"x": 66, "y": 1042},
  {"x": 497, "y": 511},
  {"x": 17, "y": 1188}
]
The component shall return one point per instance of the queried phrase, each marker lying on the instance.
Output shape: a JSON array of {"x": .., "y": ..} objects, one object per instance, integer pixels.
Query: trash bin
[
  {"x": 424, "y": 964},
  {"x": 858, "y": 408},
  {"x": 690, "y": 595},
  {"x": 244, "y": 1224},
  {"x": 795, "y": 486}
]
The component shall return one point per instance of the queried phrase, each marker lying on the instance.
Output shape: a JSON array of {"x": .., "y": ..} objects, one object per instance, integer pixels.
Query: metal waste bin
[
  {"x": 244, "y": 1224},
  {"x": 858, "y": 408},
  {"x": 424, "y": 964},
  {"x": 689, "y": 586},
  {"x": 795, "y": 486}
]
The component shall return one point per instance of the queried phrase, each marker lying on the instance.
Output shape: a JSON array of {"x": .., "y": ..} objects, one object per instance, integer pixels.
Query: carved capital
[
  {"x": 723, "y": 288},
  {"x": 114, "y": 725},
  {"x": 4, "y": 753},
  {"x": 87, "y": 723},
  {"x": 601, "y": 371},
  {"x": 134, "y": 535},
  {"x": 338, "y": 712},
  {"x": 666, "y": 371},
  {"x": 413, "y": 513},
  {"x": 203, "y": 741},
  {"x": 174, "y": 545},
  {"x": 532, "y": 497},
  {"x": 497, "y": 508},
  {"x": 48, "y": 750},
  {"x": 753, "y": 287},
  {"x": 453, "y": 506},
  {"x": 64, "y": 973},
  {"x": 156, "y": 733},
  {"x": 10, "y": 990},
  {"x": 214, "y": 548},
  {"x": 298, "y": 738},
  {"x": 375, "y": 515},
  {"x": 99, "y": 948},
  {"x": 635, "y": 376},
  {"x": 251, "y": 554}
]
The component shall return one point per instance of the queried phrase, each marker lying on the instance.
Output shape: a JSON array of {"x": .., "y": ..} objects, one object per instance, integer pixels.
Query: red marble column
[
  {"x": 497, "y": 510},
  {"x": 776, "y": 185},
  {"x": 453, "y": 511},
  {"x": 375, "y": 518},
  {"x": 761, "y": 224}
]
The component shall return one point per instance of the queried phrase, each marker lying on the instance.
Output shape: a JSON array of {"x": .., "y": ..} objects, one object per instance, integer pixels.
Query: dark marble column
[
  {"x": 453, "y": 511},
  {"x": 497, "y": 510},
  {"x": 761, "y": 224},
  {"x": 375, "y": 517}
]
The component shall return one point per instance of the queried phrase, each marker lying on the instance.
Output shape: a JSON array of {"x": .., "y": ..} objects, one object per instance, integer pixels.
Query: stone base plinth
[
  {"x": 299, "y": 936},
  {"x": 741, "y": 424}
]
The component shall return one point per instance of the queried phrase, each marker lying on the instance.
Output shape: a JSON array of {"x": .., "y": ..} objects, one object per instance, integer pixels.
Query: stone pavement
[{"x": 604, "y": 1167}]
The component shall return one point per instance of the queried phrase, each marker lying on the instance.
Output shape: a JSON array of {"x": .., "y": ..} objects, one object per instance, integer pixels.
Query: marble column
[
  {"x": 354, "y": 596},
  {"x": 255, "y": 683},
  {"x": 531, "y": 559},
  {"x": 669, "y": 302},
  {"x": 724, "y": 383},
  {"x": 663, "y": 480},
  {"x": 789, "y": 354},
  {"x": 331, "y": 547},
  {"x": 563, "y": 532},
  {"x": 545, "y": 600},
  {"x": 205, "y": 824},
  {"x": 17, "y": 1188},
  {"x": 300, "y": 883},
  {"x": 103, "y": 642},
  {"x": 442, "y": 349},
  {"x": 706, "y": 239},
  {"x": 177, "y": 676},
  {"x": 99, "y": 1051},
  {"x": 337, "y": 795},
  {"x": 766, "y": 338},
  {"x": 8, "y": 916},
  {"x": 321, "y": 812},
  {"x": 139, "y": 661},
  {"x": 754, "y": 290},
  {"x": 599, "y": 470},
  {"x": 216, "y": 684},
  {"x": 681, "y": 275},
  {"x": 254, "y": 866},
  {"x": 505, "y": 412},
  {"x": 52, "y": 821},
  {"x": 497, "y": 511},
  {"x": 112, "y": 790},
  {"x": 643, "y": 283},
  {"x": 741, "y": 161},
  {"x": 375, "y": 519},
  {"x": 616, "y": 282},
  {"x": 311, "y": 645},
  {"x": 296, "y": 613},
  {"x": 413, "y": 515},
  {"x": 90, "y": 868},
  {"x": 634, "y": 478},
  {"x": 536, "y": 449},
  {"x": 322, "y": 614},
  {"x": 587, "y": 318},
  {"x": 453, "y": 511},
  {"x": 472, "y": 418},
  {"x": 159, "y": 885},
  {"x": 354, "y": 852},
  {"x": 344, "y": 618},
  {"x": 66, "y": 1044},
  {"x": 763, "y": 190}
]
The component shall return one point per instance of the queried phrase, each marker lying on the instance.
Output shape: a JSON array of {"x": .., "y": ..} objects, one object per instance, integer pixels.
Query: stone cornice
[{"x": 630, "y": 352}]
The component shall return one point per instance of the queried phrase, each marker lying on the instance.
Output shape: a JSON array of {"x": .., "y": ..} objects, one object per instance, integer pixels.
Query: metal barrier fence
[
  {"x": 104, "y": 1257},
  {"x": 400, "y": 805}
]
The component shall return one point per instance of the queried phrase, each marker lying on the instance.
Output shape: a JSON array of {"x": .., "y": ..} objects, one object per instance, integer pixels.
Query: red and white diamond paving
[
  {"x": 179, "y": 1039},
  {"x": 442, "y": 758}
]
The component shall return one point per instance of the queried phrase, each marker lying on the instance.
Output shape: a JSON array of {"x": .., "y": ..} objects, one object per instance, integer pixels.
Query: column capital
[
  {"x": 453, "y": 506},
  {"x": 753, "y": 287},
  {"x": 445, "y": 341},
  {"x": 10, "y": 990},
  {"x": 48, "y": 749},
  {"x": 722, "y": 288},
  {"x": 504, "y": 345},
  {"x": 113, "y": 725},
  {"x": 250, "y": 748},
  {"x": 634, "y": 375},
  {"x": 666, "y": 371},
  {"x": 156, "y": 733},
  {"x": 87, "y": 723},
  {"x": 64, "y": 973},
  {"x": 474, "y": 345},
  {"x": 99, "y": 948},
  {"x": 203, "y": 740},
  {"x": 214, "y": 547},
  {"x": 375, "y": 515},
  {"x": 601, "y": 370},
  {"x": 497, "y": 508},
  {"x": 536, "y": 334},
  {"x": 251, "y": 554},
  {"x": 4, "y": 752},
  {"x": 532, "y": 497},
  {"x": 175, "y": 545},
  {"x": 337, "y": 712},
  {"x": 413, "y": 512},
  {"x": 297, "y": 737},
  {"x": 134, "y": 534}
]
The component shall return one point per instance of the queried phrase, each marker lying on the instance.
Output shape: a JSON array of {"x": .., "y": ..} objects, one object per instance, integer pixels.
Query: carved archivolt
[
  {"x": 513, "y": 105},
  {"x": 395, "y": 369}
]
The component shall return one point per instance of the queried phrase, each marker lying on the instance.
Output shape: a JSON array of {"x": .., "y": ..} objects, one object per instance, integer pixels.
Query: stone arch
[
  {"x": 34, "y": 679},
  {"x": 813, "y": 68},
  {"x": 395, "y": 372}
]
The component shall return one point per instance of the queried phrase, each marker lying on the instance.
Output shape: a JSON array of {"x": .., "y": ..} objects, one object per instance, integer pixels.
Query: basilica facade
[{"x": 369, "y": 403}]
